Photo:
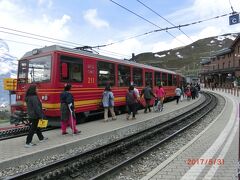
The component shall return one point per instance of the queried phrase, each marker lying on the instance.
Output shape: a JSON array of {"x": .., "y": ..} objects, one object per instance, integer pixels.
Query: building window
[
  {"x": 223, "y": 65},
  {"x": 218, "y": 66},
  {"x": 123, "y": 76},
  {"x": 229, "y": 55},
  {"x": 106, "y": 74},
  {"x": 238, "y": 49},
  {"x": 229, "y": 64},
  {"x": 213, "y": 67},
  {"x": 239, "y": 62},
  {"x": 137, "y": 76}
]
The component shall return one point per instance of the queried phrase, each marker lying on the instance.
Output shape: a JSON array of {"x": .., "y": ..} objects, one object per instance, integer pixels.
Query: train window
[
  {"x": 170, "y": 80},
  {"x": 148, "y": 78},
  {"x": 71, "y": 69},
  {"x": 157, "y": 78},
  {"x": 174, "y": 80},
  {"x": 164, "y": 79},
  {"x": 137, "y": 76},
  {"x": 106, "y": 74},
  {"x": 22, "y": 72},
  {"x": 39, "y": 69},
  {"x": 123, "y": 76}
]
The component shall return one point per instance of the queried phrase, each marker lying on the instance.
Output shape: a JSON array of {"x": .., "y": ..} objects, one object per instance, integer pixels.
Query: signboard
[
  {"x": 9, "y": 84},
  {"x": 234, "y": 19}
]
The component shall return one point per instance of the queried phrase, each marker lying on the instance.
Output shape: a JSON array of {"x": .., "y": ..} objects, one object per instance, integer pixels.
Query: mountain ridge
[{"x": 187, "y": 57}]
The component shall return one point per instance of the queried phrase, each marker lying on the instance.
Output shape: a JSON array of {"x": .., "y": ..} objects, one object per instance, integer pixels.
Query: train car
[{"x": 50, "y": 68}]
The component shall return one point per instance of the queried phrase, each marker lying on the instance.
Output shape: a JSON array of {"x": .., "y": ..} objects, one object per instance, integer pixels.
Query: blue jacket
[{"x": 108, "y": 99}]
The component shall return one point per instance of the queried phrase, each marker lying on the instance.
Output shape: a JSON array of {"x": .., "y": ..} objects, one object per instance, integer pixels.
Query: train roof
[{"x": 89, "y": 54}]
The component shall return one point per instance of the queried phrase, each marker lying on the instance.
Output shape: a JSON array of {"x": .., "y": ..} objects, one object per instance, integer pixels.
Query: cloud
[
  {"x": 16, "y": 16},
  {"x": 91, "y": 17},
  {"x": 49, "y": 3},
  {"x": 124, "y": 49}
]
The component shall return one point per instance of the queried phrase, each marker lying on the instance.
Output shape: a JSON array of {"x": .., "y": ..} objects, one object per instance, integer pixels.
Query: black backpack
[{"x": 131, "y": 97}]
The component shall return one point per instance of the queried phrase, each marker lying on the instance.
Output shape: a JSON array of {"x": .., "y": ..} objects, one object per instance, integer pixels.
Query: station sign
[{"x": 234, "y": 19}]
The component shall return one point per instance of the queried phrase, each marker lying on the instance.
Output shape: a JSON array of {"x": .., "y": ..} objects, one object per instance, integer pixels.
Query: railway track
[{"x": 112, "y": 157}]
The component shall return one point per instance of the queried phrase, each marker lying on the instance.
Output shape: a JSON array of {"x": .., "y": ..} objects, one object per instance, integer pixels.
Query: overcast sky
[{"x": 99, "y": 22}]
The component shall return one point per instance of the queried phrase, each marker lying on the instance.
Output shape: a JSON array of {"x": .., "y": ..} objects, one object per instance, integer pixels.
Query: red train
[{"x": 54, "y": 66}]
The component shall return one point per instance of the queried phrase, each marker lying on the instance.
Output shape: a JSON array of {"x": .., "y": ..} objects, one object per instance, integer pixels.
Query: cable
[
  {"x": 41, "y": 36},
  {"x": 21, "y": 42},
  {"x": 233, "y": 12},
  {"x": 145, "y": 20},
  {"x": 168, "y": 28},
  {"x": 162, "y": 17}
]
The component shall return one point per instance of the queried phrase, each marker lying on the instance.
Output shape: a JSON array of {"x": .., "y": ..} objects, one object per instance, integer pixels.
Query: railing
[{"x": 233, "y": 91}]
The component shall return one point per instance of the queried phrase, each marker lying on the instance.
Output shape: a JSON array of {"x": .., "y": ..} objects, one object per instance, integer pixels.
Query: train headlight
[{"x": 45, "y": 97}]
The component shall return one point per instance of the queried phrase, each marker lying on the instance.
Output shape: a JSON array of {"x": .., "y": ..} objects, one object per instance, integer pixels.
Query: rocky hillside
[{"x": 188, "y": 57}]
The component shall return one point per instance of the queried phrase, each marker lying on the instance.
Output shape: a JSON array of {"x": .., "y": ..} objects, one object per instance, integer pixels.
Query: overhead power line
[
  {"x": 41, "y": 36},
  {"x": 162, "y": 17},
  {"x": 47, "y": 39},
  {"x": 145, "y": 20},
  {"x": 168, "y": 28}
]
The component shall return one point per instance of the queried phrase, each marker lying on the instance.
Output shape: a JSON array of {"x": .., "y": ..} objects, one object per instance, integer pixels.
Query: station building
[{"x": 222, "y": 69}]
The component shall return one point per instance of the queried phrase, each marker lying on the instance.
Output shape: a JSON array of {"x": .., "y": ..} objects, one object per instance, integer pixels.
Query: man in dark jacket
[
  {"x": 67, "y": 110},
  {"x": 34, "y": 109},
  {"x": 148, "y": 94}
]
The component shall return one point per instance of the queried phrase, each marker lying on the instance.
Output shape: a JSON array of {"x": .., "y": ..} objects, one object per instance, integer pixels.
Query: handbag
[{"x": 42, "y": 123}]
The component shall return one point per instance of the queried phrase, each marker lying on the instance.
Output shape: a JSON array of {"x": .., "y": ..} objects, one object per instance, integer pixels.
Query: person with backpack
[
  {"x": 148, "y": 94},
  {"x": 34, "y": 109},
  {"x": 131, "y": 100},
  {"x": 108, "y": 103}
]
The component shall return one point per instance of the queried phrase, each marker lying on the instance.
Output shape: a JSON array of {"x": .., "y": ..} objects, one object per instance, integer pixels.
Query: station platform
[
  {"x": 93, "y": 134},
  {"x": 213, "y": 154}
]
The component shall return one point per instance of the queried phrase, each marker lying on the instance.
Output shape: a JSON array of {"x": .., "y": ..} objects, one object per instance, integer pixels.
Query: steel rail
[{"x": 69, "y": 166}]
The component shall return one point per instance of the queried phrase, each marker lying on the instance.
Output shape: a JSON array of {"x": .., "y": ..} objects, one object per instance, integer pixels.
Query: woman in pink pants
[{"x": 67, "y": 111}]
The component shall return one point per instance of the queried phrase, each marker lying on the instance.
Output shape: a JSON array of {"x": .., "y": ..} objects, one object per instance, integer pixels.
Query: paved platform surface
[
  {"x": 213, "y": 154},
  {"x": 94, "y": 134}
]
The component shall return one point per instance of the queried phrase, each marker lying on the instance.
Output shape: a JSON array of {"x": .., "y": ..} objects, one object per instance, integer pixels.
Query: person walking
[
  {"x": 34, "y": 110},
  {"x": 131, "y": 100},
  {"x": 160, "y": 93},
  {"x": 108, "y": 103},
  {"x": 148, "y": 94},
  {"x": 68, "y": 116},
  {"x": 178, "y": 93},
  {"x": 136, "y": 91}
]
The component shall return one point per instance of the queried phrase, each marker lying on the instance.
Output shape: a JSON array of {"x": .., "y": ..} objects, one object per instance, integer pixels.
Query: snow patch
[{"x": 160, "y": 56}]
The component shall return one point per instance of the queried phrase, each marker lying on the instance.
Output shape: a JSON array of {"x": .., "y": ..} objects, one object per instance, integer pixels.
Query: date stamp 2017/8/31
[{"x": 192, "y": 162}]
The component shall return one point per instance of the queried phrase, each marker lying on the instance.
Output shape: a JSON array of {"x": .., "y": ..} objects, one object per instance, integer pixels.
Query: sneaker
[
  {"x": 64, "y": 133},
  {"x": 114, "y": 118},
  {"x": 29, "y": 145},
  {"x": 133, "y": 118},
  {"x": 44, "y": 139}
]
